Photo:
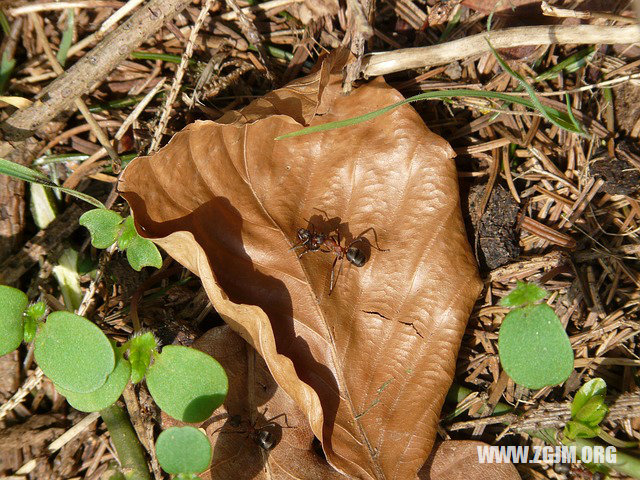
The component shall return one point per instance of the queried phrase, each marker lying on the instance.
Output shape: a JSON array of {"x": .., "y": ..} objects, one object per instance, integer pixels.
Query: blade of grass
[
  {"x": 33, "y": 176},
  {"x": 6, "y": 68},
  {"x": 569, "y": 64},
  {"x": 4, "y": 23},
  {"x": 165, "y": 57},
  {"x": 280, "y": 54},
  {"x": 532, "y": 94},
  {"x": 120, "y": 103},
  {"x": 559, "y": 117},
  {"x": 67, "y": 38},
  {"x": 570, "y": 111},
  {"x": 453, "y": 23}
]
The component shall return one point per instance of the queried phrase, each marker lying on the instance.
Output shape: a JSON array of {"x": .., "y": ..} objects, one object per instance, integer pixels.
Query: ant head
[
  {"x": 235, "y": 421},
  {"x": 303, "y": 234},
  {"x": 356, "y": 256}
]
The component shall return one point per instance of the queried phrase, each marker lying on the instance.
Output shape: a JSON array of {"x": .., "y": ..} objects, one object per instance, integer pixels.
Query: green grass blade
[
  {"x": 570, "y": 111},
  {"x": 67, "y": 38},
  {"x": 4, "y": 23},
  {"x": 532, "y": 94},
  {"x": 569, "y": 64},
  {"x": 453, "y": 23},
  {"x": 28, "y": 175},
  {"x": 559, "y": 117},
  {"x": 165, "y": 57},
  {"x": 6, "y": 69}
]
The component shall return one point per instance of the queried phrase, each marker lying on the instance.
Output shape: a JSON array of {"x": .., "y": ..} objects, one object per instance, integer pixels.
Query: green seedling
[
  {"x": 33, "y": 315},
  {"x": 104, "y": 226},
  {"x": 570, "y": 64},
  {"x": 140, "y": 251},
  {"x": 141, "y": 348},
  {"x": 534, "y": 348},
  {"x": 107, "y": 227},
  {"x": 588, "y": 409},
  {"x": 105, "y": 395},
  {"x": 184, "y": 452},
  {"x": 186, "y": 383},
  {"x": 559, "y": 117},
  {"x": 92, "y": 372},
  {"x": 73, "y": 352},
  {"x": 13, "y": 302}
]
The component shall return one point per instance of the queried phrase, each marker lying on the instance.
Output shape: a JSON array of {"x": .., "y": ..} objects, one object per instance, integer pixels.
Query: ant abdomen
[
  {"x": 356, "y": 256},
  {"x": 265, "y": 439}
]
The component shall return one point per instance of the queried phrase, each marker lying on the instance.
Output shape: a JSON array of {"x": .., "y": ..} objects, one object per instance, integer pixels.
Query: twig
[
  {"x": 32, "y": 382},
  {"x": 73, "y": 432},
  {"x": 550, "y": 11},
  {"x": 88, "y": 164},
  {"x": 550, "y": 415},
  {"x": 43, "y": 7},
  {"x": 251, "y": 33},
  {"x": 547, "y": 233},
  {"x": 360, "y": 31},
  {"x": 104, "y": 28},
  {"x": 91, "y": 68},
  {"x": 261, "y": 7},
  {"x": 40, "y": 245},
  {"x": 95, "y": 127},
  {"x": 177, "y": 81},
  {"x": 409, "y": 58}
]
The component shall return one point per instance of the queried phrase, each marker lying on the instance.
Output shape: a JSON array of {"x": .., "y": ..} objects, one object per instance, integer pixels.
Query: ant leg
[
  {"x": 300, "y": 245},
  {"x": 334, "y": 281},
  {"x": 286, "y": 420},
  {"x": 322, "y": 212}
]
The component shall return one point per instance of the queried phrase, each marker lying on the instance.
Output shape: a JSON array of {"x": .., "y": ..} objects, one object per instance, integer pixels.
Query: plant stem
[
  {"x": 624, "y": 463},
  {"x": 130, "y": 452}
]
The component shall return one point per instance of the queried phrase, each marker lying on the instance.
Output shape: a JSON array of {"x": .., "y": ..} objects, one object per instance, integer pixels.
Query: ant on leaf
[
  {"x": 312, "y": 241},
  {"x": 266, "y": 437}
]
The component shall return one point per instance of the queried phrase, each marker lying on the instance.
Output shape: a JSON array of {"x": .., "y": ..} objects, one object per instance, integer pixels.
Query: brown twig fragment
[
  {"x": 91, "y": 68},
  {"x": 250, "y": 32},
  {"x": 271, "y": 6},
  {"x": 551, "y": 11},
  {"x": 45, "y": 242},
  {"x": 547, "y": 233},
  {"x": 95, "y": 127},
  {"x": 177, "y": 81},
  {"x": 360, "y": 31}
]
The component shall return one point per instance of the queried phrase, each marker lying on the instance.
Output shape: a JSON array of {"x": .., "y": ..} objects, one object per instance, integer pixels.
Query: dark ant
[
  {"x": 267, "y": 436},
  {"x": 312, "y": 241}
]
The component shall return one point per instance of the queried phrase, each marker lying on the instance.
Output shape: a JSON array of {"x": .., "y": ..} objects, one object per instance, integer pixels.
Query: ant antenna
[{"x": 361, "y": 238}]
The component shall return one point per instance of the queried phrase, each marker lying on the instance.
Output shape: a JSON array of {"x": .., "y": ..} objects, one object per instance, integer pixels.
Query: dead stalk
[{"x": 384, "y": 63}]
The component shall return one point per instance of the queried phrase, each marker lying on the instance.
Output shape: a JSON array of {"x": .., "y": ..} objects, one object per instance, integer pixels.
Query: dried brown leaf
[
  {"x": 255, "y": 403},
  {"x": 370, "y": 364},
  {"x": 458, "y": 460}
]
